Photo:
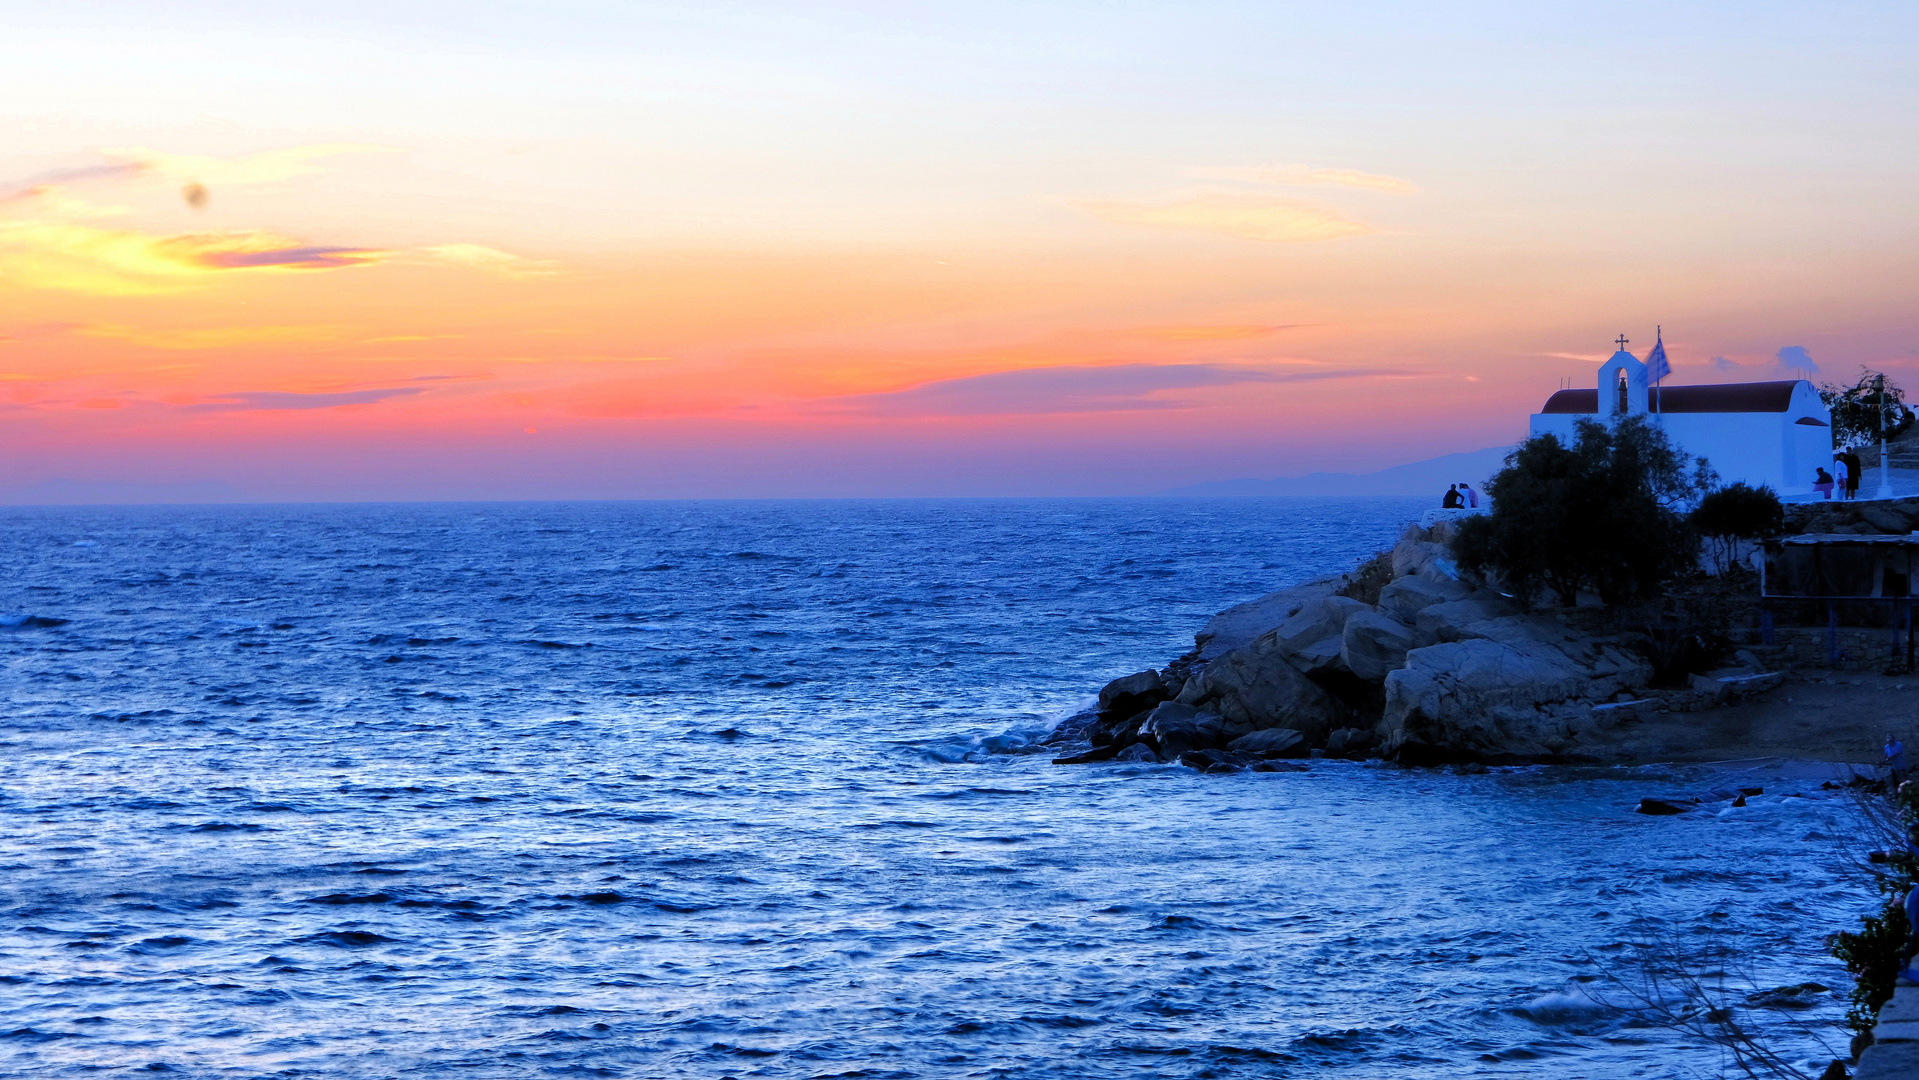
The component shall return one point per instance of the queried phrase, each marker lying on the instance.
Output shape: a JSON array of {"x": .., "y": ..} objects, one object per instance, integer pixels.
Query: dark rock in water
[
  {"x": 1801, "y": 996},
  {"x": 1196, "y": 759},
  {"x": 1349, "y": 742},
  {"x": 1097, "y": 753},
  {"x": 1139, "y": 752},
  {"x": 1136, "y": 692},
  {"x": 1664, "y": 806},
  {"x": 1470, "y": 768},
  {"x": 1740, "y": 801},
  {"x": 1170, "y": 727},
  {"x": 1222, "y": 767},
  {"x": 1272, "y": 742},
  {"x": 1073, "y": 728},
  {"x": 1752, "y": 791},
  {"x": 1277, "y": 766}
]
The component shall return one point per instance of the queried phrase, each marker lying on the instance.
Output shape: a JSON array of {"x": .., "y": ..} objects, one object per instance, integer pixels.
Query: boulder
[
  {"x": 1372, "y": 644},
  {"x": 1243, "y": 624},
  {"x": 1406, "y": 597},
  {"x": 1521, "y": 687},
  {"x": 1138, "y": 752},
  {"x": 1271, "y": 742},
  {"x": 1349, "y": 742},
  {"x": 1420, "y": 553},
  {"x": 1258, "y": 687},
  {"x": 1174, "y": 729},
  {"x": 1124, "y": 697},
  {"x": 1310, "y": 639},
  {"x": 1452, "y": 620}
]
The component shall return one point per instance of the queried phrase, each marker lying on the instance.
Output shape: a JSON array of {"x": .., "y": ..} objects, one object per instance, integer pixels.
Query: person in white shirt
[
  {"x": 1471, "y": 496},
  {"x": 1839, "y": 473}
]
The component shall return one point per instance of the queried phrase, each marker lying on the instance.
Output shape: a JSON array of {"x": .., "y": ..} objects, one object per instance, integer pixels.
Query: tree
[
  {"x": 1604, "y": 514},
  {"x": 1737, "y": 512},
  {"x": 1855, "y": 408}
]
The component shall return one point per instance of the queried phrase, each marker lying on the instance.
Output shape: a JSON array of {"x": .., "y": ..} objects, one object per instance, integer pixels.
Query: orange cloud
[{"x": 1236, "y": 214}]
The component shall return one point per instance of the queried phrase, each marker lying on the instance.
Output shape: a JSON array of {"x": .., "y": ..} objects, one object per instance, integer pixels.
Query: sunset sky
[{"x": 278, "y": 251}]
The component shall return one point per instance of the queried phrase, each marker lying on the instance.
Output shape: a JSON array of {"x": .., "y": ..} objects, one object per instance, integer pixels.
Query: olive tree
[{"x": 1607, "y": 513}]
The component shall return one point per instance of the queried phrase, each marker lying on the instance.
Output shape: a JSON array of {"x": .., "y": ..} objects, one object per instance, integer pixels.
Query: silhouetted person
[
  {"x": 1853, "y": 469},
  {"x": 1453, "y": 501},
  {"x": 1822, "y": 483}
]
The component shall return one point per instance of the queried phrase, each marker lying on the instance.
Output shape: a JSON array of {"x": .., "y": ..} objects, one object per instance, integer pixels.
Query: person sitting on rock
[
  {"x": 1469, "y": 497},
  {"x": 1453, "y": 500}
]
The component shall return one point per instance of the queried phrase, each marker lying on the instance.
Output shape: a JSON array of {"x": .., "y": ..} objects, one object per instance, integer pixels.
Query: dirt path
[{"x": 1814, "y": 715}]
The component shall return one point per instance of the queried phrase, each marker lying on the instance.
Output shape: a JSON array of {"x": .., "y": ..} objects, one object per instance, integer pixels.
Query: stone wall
[
  {"x": 1860, "y": 649},
  {"x": 1881, "y": 516}
]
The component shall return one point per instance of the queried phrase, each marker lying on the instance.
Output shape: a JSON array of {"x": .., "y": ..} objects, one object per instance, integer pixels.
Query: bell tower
[{"x": 1622, "y": 384}]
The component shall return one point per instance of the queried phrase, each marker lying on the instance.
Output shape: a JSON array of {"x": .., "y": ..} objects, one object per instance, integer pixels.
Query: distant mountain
[{"x": 1429, "y": 477}]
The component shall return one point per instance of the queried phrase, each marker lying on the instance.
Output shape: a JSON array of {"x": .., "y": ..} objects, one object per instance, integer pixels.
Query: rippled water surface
[{"x": 657, "y": 790}]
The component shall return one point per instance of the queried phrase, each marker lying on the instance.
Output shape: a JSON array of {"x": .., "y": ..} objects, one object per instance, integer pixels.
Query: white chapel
[{"x": 1773, "y": 433}]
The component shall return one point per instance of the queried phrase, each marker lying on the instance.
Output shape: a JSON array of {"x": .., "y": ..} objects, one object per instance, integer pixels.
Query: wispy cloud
[
  {"x": 492, "y": 260},
  {"x": 253, "y": 250},
  {"x": 1242, "y": 215},
  {"x": 285, "y": 399},
  {"x": 47, "y": 183},
  {"x": 1078, "y": 389},
  {"x": 83, "y": 258},
  {"x": 1303, "y": 176}
]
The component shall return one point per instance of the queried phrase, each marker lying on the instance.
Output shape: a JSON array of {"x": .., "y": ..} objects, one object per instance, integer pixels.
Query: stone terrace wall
[
  {"x": 1860, "y": 649},
  {"x": 1885, "y": 517}
]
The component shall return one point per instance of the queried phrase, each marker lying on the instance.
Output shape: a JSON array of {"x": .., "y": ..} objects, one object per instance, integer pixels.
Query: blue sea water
[{"x": 753, "y": 790}]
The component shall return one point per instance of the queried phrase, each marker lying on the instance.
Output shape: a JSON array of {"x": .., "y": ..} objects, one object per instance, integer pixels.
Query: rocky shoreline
[{"x": 1398, "y": 660}]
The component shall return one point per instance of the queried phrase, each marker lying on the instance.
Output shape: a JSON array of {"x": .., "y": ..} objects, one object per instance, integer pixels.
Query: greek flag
[{"x": 1656, "y": 366}]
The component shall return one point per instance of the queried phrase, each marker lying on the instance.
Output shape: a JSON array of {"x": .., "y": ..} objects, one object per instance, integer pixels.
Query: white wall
[{"x": 1758, "y": 448}]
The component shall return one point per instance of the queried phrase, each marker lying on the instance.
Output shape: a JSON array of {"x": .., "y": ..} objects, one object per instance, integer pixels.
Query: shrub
[
  {"x": 1364, "y": 583},
  {"x": 1604, "y": 513}
]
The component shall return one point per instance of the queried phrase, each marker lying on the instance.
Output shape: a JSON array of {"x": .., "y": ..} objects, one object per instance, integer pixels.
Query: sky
[{"x": 571, "y": 250}]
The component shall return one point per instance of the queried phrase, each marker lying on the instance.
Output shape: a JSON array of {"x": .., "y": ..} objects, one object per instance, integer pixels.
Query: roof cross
[{"x": 1622, "y": 342}]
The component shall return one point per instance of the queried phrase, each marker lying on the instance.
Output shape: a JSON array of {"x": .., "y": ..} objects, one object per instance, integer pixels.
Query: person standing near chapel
[
  {"x": 1853, "y": 469},
  {"x": 1839, "y": 477}
]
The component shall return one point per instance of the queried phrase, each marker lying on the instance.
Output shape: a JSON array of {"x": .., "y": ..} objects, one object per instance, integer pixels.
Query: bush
[
  {"x": 1604, "y": 513},
  {"x": 1738, "y": 512},
  {"x": 1364, "y": 583},
  {"x": 1855, "y": 409}
]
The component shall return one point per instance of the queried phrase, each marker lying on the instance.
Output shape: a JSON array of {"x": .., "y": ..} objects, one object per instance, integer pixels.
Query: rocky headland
[{"x": 1401, "y": 660}]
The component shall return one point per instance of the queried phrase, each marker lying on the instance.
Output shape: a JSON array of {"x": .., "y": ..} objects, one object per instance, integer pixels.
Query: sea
[{"x": 759, "y": 789}]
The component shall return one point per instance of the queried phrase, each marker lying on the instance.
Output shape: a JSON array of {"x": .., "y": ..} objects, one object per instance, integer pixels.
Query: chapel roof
[{"x": 1774, "y": 397}]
